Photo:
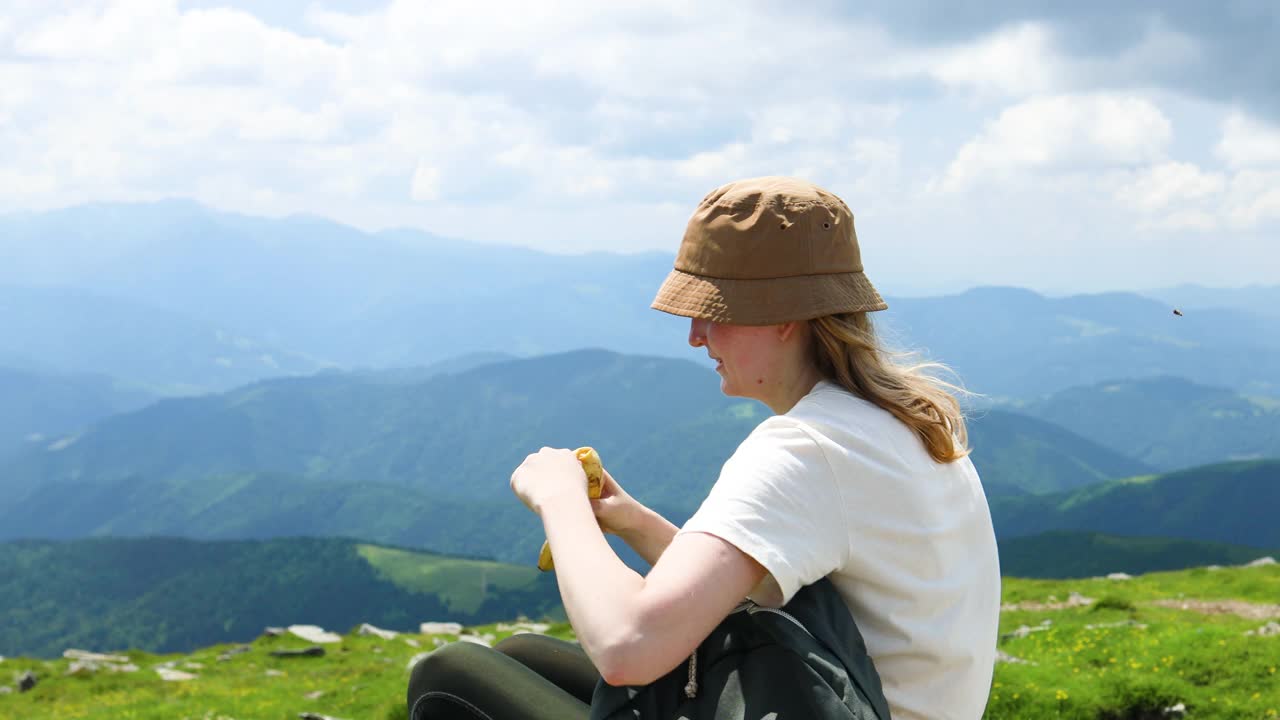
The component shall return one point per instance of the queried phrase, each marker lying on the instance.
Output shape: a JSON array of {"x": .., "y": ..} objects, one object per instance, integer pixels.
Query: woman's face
[{"x": 750, "y": 359}]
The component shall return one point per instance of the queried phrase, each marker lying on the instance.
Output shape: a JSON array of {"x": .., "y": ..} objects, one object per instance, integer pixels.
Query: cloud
[
  {"x": 1160, "y": 186},
  {"x": 1249, "y": 143},
  {"x": 1065, "y": 132}
]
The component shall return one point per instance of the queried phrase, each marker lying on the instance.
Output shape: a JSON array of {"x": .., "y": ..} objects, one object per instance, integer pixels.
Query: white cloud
[
  {"x": 1254, "y": 199},
  {"x": 1249, "y": 143},
  {"x": 1160, "y": 186},
  {"x": 1062, "y": 133},
  {"x": 1013, "y": 60},
  {"x": 426, "y": 183}
]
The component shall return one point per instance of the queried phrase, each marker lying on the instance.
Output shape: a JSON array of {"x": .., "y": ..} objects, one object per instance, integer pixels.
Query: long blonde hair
[{"x": 848, "y": 352}]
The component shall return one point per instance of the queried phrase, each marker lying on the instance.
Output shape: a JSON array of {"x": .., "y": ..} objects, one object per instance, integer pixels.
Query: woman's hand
[
  {"x": 548, "y": 475},
  {"x": 616, "y": 511}
]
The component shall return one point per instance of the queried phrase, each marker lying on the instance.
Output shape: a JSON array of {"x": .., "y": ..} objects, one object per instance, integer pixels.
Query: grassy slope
[{"x": 1144, "y": 658}]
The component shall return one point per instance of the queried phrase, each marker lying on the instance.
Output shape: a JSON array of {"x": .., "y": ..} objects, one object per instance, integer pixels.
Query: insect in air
[{"x": 1177, "y": 312}]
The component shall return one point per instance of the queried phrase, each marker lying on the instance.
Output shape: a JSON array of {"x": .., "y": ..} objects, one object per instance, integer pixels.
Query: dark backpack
[{"x": 805, "y": 660}]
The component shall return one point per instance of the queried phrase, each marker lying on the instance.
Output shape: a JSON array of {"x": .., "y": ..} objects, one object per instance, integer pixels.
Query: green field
[{"x": 1120, "y": 655}]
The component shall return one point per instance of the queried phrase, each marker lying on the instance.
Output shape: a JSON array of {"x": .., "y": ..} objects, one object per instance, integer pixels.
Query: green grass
[
  {"x": 1120, "y": 657},
  {"x": 453, "y": 580}
]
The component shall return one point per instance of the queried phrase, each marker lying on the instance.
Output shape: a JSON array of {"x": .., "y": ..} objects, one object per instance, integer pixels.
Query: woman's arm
[
  {"x": 634, "y": 629},
  {"x": 649, "y": 536}
]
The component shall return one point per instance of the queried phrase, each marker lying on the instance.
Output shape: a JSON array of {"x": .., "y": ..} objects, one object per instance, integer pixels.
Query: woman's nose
[{"x": 697, "y": 332}]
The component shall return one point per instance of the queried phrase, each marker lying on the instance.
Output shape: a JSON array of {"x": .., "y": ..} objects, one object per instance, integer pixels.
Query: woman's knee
[{"x": 445, "y": 669}]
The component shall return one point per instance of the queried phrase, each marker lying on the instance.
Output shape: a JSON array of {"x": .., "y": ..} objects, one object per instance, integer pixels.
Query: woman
[{"x": 861, "y": 477}]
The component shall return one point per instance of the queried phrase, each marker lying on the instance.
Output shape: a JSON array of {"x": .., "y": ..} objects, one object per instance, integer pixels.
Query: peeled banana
[{"x": 592, "y": 466}]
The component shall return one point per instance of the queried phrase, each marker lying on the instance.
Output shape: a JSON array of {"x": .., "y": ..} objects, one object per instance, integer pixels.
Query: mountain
[
  {"x": 1226, "y": 503},
  {"x": 172, "y": 595},
  {"x": 322, "y": 293},
  {"x": 1168, "y": 422},
  {"x": 420, "y": 462},
  {"x": 1260, "y": 299},
  {"x": 40, "y": 407},
  {"x": 165, "y": 352},
  {"x": 1066, "y": 554},
  {"x": 1014, "y": 343}
]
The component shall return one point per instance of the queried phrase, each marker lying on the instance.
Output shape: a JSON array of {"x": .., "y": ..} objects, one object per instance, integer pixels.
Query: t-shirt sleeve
[{"x": 776, "y": 500}]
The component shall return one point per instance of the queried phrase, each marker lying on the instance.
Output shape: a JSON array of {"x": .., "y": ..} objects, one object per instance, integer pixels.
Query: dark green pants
[{"x": 525, "y": 677}]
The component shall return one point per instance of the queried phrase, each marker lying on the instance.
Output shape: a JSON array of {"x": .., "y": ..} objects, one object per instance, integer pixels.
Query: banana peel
[{"x": 594, "y": 469}]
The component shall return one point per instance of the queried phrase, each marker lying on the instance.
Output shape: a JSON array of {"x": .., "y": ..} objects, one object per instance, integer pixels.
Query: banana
[{"x": 592, "y": 466}]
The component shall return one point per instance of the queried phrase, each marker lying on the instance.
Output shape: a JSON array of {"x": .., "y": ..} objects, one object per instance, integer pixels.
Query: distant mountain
[
  {"x": 1167, "y": 422},
  {"x": 426, "y": 463},
  {"x": 1260, "y": 299},
  {"x": 1065, "y": 554},
  {"x": 1226, "y": 503},
  {"x": 41, "y": 408},
  {"x": 58, "y": 330},
  {"x": 1014, "y": 343},
  {"x": 1017, "y": 454},
  {"x": 333, "y": 295},
  {"x": 172, "y": 595}
]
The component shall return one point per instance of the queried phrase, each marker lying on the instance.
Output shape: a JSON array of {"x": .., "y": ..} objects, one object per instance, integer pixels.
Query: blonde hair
[{"x": 847, "y": 351}]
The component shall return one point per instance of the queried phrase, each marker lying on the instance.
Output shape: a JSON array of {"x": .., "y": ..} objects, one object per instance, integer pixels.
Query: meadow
[{"x": 1084, "y": 648}]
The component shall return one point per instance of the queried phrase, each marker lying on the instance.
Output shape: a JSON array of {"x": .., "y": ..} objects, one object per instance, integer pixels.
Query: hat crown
[{"x": 769, "y": 227}]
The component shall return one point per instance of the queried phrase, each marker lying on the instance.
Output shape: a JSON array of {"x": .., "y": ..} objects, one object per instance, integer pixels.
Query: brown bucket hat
[{"x": 765, "y": 251}]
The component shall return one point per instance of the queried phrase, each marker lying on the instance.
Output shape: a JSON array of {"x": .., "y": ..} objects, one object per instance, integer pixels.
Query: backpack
[{"x": 804, "y": 660}]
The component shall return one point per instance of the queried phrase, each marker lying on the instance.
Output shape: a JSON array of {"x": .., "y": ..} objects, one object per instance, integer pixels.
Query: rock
[
  {"x": 1214, "y": 567},
  {"x": 313, "y": 651},
  {"x": 1002, "y": 656},
  {"x": 1119, "y": 576},
  {"x": 82, "y": 667},
  {"x": 437, "y": 642},
  {"x": 193, "y": 666},
  {"x": 127, "y": 667},
  {"x": 367, "y": 629},
  {"x": 1271, "y": 628},
  {"x": 5, "y": 689},
  {"x": 26, "y": 681},
  {"x": 1175, "y": 711},
  {"x": 477, "y": 640},
  {"x": 1268, "y": 560},
  {"x": 416, "y": 658},
  {"x": 440, "y": 628},
  {"x": 171, "y": 675},
  {"x": 93, "y": 657},
  {"x": 273, "y": 631},
  {"x": 314, "y": 695},
  {"x": 411, "y": 642},
  {"x": 530, "y": 627},
  {"x": 377, "y": 649},
  {"x": 1023, "y": 631},
  {"x": 272, "y": 672},
  {"x": 237, "y": 650},
  {"x": 314, "y": 633}
]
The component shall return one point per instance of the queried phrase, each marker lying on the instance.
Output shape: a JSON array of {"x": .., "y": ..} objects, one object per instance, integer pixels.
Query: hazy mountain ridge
[
  {"x": 40, "y": 408},
  {"x": 324, "y": 294}
]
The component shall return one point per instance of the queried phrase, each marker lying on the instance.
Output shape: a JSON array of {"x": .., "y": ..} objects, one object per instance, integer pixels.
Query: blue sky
[{"x": 1064, "y": 147}]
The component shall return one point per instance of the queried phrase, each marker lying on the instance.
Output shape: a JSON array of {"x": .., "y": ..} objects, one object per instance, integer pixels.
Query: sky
[{"x": 1065, "y": 147}]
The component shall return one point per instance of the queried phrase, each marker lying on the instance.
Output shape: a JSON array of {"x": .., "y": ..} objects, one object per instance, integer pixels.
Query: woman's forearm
[{"x": 650, "y": 535}]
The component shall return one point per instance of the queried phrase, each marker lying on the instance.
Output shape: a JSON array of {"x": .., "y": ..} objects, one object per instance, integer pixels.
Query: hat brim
[{"x": 766, "y": 302}]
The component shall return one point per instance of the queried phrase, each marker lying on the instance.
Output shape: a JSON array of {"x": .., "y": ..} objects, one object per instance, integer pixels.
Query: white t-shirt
[{"x": 840, "y": 488}]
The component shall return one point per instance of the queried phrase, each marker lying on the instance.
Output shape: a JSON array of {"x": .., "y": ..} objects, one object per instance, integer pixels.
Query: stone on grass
[
  {"x": 314, "y": 695},
  {"x": 27, "y": 680},
  {"x": 314, "y": 633},
  {"x": 313, "y": 651},
  {"x": 1119, "y": 576},
  {"x": 1004, "y": 657},
  {"x": 237, "y": 650},
  {"x": 1271, "y": 628},
  {"x": 1268, "y": 560},
  {"x": 411, "y": 642},
  {"x": 477, "y": 640},
  {"x": 273, "y": 631},
  {"x": 5, "y": 689},
  {"x": 440, "y": 628},
  {"x": 1175, "y": 711},
  {"x": 367, "y": 629},
  {"x": 171, "y": 675},
  {"x": 272, "y": 672},
  {"x": 193, "y": 665},
  {"x": 72, "y": 654},
  {"x": 527, "y": 627}
]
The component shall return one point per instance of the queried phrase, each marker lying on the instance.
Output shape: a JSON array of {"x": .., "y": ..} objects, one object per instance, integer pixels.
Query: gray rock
[
  {"x": 1119, "y": 576},
  {"x": 1271, "y": 628},
  {"x": 237, "y": 650},
  {"x": 1175, "y": 711},
  {"x": 367, "y": 629},
  {"x": 171, "y": 675},
  {"x": 272, "y": 672},
  {"x": 72, "y": 654},
  {"x": 411, "y": 642},
  {"x": 314, "y": 695},
  {"x": 440, "y": 628},
  {"x": 1268, "y": 560},
  {"x": 5, "y": 689},
  {"x": 314, "y": 633},
  {"x": 27, "y": 680},
  {"x": 1004, "y": 657},
  {"x": 273, "y": 631},
  {"x": 313, "y": 651}
]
